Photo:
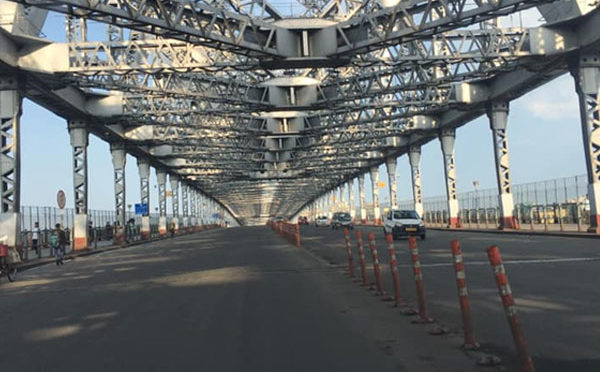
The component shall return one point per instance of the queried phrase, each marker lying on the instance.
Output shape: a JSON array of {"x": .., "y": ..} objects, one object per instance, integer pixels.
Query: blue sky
[{"x": 544, "y": 139}]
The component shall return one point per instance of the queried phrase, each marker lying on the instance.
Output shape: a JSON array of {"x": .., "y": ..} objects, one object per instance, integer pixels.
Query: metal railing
[{"x": 558, "y": 204}]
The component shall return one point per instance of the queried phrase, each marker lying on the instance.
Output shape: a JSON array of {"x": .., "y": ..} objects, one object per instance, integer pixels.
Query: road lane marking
[{"x": 515, "y": 262}]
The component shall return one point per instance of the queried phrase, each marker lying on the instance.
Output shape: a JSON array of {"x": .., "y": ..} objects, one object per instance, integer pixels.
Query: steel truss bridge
[{"x": 265, "y": 114}]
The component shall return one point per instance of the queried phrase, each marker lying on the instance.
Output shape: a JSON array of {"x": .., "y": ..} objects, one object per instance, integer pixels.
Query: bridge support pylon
[
  {"x": 391, "y": 164},
  {"x": 447, "y": 137},
  {"x": 586, "y": 73},
  {"x": 117, "y": 151},
  {"x": 144, "y": 171},
  {"x": 79, "y": 134},
  {"x": 161, "y": 177},
  {"x": 175, "y": 201},
  {"x": 351, "y": 199},
  {"x": 11, "y": 100},
  {"x": 414, "y": 158},
  {"x": 375, "y": 189},
  {"x": 498, "y": 115},
  {"x": 361, "y": 198}
]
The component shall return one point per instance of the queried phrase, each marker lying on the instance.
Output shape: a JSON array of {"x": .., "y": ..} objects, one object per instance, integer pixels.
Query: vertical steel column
[
  {"x": 186, "y": 202},
  {"x": 175, "y": 201},
  {"x": 79, "y": 141},
  {"x": 447, "y": 141},
  {"x": 351, "y": 199},
  {"x": 414, "y": 157},
  {"x": 330, "y": 204},
  {"x": 391, "y": 164},
  {"x": 498, "y": 116},
  {"x": 144, "y": 171},
  {"x": 117, "y": 151},
  {"x": 161, "y": 177},
  {"x": 361, "y": 198},
  {"x": 11, "y": 100},
  {"x": 194, "y": 217},
  {"x": 587, "y": 84},
  {"x": 375, "y": 189}
]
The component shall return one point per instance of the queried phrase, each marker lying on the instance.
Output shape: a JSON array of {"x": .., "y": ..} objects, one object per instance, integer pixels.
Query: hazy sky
[{"x": 544, "y": 139}]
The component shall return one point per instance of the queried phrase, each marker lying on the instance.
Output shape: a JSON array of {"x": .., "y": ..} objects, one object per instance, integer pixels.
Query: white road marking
[{"x": 515, "y": 262}]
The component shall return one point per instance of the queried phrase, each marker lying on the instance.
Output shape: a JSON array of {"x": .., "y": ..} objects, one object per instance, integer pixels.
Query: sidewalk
[{"x": 569, "y": 230}]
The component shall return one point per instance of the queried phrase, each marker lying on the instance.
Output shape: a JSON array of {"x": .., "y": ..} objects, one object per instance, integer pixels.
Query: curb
[{"x": 523, "y": 232}]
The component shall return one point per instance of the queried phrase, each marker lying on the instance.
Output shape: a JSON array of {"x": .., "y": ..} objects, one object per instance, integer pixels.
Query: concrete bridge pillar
[
  {"x": 447, "y": 141},
  {"x": 175, "y": 201},
  {"x": 161, "y": 176},
  {"x": 361, "y": 198},
  {"x": 375, "y": 191},
  {"x": 586, "y": 73},
  {"x": 79, "y": 134},
  {"x": 498, "y": 115},
  {"x": 185, "y": 208},
  {"x": 11, "y": 100},
  {"x": 144, "y": 171},
  {"x": 391, "y": 164},
  {"x": 414, "y": 158},
  {"x": 351, "y": 199},
  {"x": 117, "y": 151}
]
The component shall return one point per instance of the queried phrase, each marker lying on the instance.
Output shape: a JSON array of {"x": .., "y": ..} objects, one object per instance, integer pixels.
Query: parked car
[
  {"x": 341, "y": 220},
  {"x": 322, "y": 221},
  {"x": 403, "y": 223}
]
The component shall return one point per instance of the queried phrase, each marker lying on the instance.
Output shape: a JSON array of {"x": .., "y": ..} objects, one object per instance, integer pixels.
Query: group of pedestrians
[{"x": 57, "y": 240}]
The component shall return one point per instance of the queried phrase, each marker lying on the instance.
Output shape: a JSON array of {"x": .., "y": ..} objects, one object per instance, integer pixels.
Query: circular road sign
[{"x": 61, "y": 199}]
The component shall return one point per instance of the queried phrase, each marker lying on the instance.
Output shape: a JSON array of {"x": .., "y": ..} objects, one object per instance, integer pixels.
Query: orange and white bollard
[
  {"x": 376, "y": 269},
  {"x": 398, "y": 301},
  {"x": 418, "y": 273},
  {"x": 349, "y": 252},
  {"x": 509, "y": 307},
  {"x": 297, "y": 235},
  {"x": 463, "y": 297},
  {"x": 361, "y": 258}
]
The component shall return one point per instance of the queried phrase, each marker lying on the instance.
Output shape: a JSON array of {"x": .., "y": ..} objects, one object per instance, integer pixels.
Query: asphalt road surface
[
  {"x": 241, "y": 299},
  {"x": 555, "y": 281}
]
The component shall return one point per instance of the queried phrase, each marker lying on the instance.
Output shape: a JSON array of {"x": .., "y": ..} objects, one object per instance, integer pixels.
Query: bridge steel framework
[{"x": 257, "y": 114}]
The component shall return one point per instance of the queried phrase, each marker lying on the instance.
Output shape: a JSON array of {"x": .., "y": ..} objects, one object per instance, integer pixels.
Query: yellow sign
[
  {"x": 169, "y": 193},
  {"x": 381, "y": 184}
]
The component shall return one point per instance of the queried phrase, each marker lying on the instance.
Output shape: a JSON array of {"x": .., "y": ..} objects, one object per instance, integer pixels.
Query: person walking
[
  {"x": 35, "y": 238},
  {"x": 60, "y": 242}
]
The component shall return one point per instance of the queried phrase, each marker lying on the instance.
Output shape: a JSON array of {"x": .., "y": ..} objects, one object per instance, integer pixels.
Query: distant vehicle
[
  {"x": 341, "y": 220},
  {"x": 403, "y": 223},
  {"x": 279, "y": 219},
  {"x": 322, "y": 221},
  {"x": 302, "y": 220}
]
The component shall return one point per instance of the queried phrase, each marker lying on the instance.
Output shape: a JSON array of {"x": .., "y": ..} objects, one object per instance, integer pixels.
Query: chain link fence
[{"x": 558, "y": 204}]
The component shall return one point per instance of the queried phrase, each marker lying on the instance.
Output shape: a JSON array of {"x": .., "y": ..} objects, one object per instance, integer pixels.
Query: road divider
[
  {"x": 418, "y": 274},
  {"x": 361, "y": 258},
  {"x": 376, "y": 268},
  {"x": 463, "y": 296},
  {"x": 508, "y": 303},
  {"x": 398, "y": 301},
  {"x": 349, "y": 253},
  {"x": 290, "y": 231}
]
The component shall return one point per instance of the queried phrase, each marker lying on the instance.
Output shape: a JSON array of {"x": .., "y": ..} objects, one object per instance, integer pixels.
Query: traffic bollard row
[
  {"x": 349, "y": 253},
  {"x": 290, "y": 231},
  {"x": 376, "y": 269},
  {"x": 418, "y": 274},
  {"x": 398, "y": 301},
  {"x": 361, "y": 258},
  {"x": 463, "y": 297}
]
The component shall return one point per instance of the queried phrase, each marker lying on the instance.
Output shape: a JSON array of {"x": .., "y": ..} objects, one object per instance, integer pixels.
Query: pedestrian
[
  {"x": 172, "y": 229},
  {"x": 35, "y": 238},
  {"x": 59, "y": 244}
]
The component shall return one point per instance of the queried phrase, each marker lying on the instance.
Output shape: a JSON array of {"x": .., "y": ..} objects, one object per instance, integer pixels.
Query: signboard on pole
[
  {"x": 61, "y": 199},
  {"x": 381, "y": 184},
  {"x": 141, "y": 209},
  {"x": 169, "y": 193}
]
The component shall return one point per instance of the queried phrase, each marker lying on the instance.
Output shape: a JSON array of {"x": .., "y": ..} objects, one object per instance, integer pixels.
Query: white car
[
  {"x": 322, "y": 221},
  {"x": 403, "y": 223}
]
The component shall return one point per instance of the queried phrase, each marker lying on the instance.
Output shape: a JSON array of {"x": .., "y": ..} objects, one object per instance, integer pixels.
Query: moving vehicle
[
  {"x": 403, "y": 223},
  {"x": 8, "y": 258},
  {"x": 322, "y": 221},
  {"x": 341, "y": 220},
  {"x": 302, "y": 220}
]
